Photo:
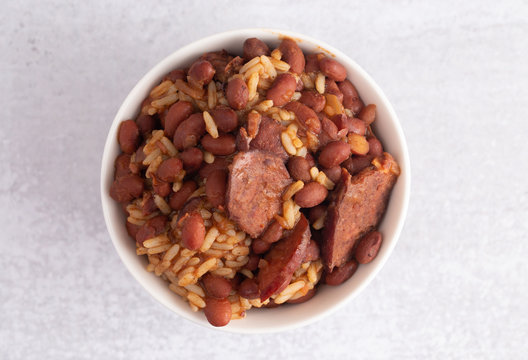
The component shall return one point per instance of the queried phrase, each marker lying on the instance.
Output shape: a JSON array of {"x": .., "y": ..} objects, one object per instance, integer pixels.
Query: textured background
[{"x": 456, "y": 284}]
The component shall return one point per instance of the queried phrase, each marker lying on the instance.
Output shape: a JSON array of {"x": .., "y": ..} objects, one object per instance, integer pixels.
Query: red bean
[
  {"x": 189, "y": 132},
  {"x": 332, "y": 88},
  {"x": 310, "y": 159},
  {"x": 334, "y": 154},
  {"x": 333, "y": 69},
  {"x": 312, "y": 251},
  {"x": 146, "y": 124},
  {"x": 237, "y": 93},
  {"x": 310, "y": 195},
  {"x": 354, "y": 125},
  {"x": 259, "y": 246},
  {"x": 144, "y": 233},
  {"x": 219, "y": 163},
  {"x": 192, "y": 159},
  {"x": 174, "y": 75},
  {"x": 306, "y": 116},
  {"x": 329, "y": 132},
  {"x": 126, "y": 188},
  {"x": 313, "y": 99},
  {"x": 316, "y": 212},
  {"x": 176, "y": 114},
  {"x": 128, "y": 136},
  {"x": 310, "y": 294},
  {"x": 132, "y": 229},
  {"x": 254, "y": 47},
  {"x": 299, "y": 168},
  {"x": 249, "y": 289},
  {"x": 160, "y": 187},
  {"x": 201, "y": 72},
  {"x": 193, "y": 230},
  {"x": 341, "y": 274},
  {"x": 368, "y": 247},
  {"x": 312, "y": 63},
  {"x": 351, "y": 98},
  {"x": 273, "y": 233},
  {"x": 293, "y": 55},
  {"x": 215, "y": 187},
  {"x": 224, "y": 144},
  {"x": 217, "y": 311},
  {"x": 216, "y": 286},
  {"x": 225, "y": 118},
  {"x": 148, "y": 205},
  {"x": 152, "y": 228},
  {"x": 357, "y": 163},
  {"x": 253, "y": 262},
  {"x": 122, "y": 165},
  {"x": 333, "y": 173},
  {"x": 368, "y": 114},
  {"x": 179, "y": 198},
  {"x": 170, "y": 169},
  {"x": 375, "y": 147},
  {"x": 282, "y": 89}
]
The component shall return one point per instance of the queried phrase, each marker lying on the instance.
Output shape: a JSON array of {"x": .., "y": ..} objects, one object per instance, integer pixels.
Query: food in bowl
[{"x": 248, "y": 181}]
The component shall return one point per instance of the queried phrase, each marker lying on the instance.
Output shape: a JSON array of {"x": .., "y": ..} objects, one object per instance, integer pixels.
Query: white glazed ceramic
[{"x": 328, "y": 299}]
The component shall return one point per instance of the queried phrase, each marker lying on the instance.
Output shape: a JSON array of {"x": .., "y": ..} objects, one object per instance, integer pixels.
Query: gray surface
[{"x": 456, "y": 285}]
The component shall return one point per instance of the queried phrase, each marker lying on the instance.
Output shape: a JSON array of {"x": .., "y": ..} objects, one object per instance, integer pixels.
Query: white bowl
[{"x": 328, "y": 299}]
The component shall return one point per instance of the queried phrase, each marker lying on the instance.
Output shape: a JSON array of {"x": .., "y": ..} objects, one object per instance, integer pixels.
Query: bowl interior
[{"x": 328, "y": 298}]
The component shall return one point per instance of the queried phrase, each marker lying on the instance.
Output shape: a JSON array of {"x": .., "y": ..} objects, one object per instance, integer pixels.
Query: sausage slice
[
  {"x": 255, "y": 185},
  {"x": 283, "y": 259},
  {"x": 357, "y": 208},
  {"x": 268, "y": 138}
]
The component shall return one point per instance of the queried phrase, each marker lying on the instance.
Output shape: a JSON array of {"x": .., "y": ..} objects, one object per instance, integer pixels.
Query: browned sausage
[
  {"x": 334, "y": 154},
  {"x": 269, "y": 138},
  {"x": 356, "y": 209},
  {"x": 283, "y": 259},
  {"x": 170, "y": 169},
  {"x": 189, "y": 132},
  {"x": 201, "y": 72},
  {"x": 351, "y": 98},
  {"x": 176, "y": 114},
  {"x": 225, "y": 118},
  {"x": 299, "y": 168},
  {"x": 310, "y": 195},
  {"x": 256, "y": 182},
  {"x": 293, "y": 55},
  {"x": 126, "y": 188},
  {"x": 332, "y": 68},
  {"x": 179, "y": 198},
  {"x": 128, "y": 136},
  {"x": 237, "y": 93},
  {"x": 282, "y": 89},
  {"x": 254, "y": 47},
  {"x": 192, "y": 159},
  {"x": 216, "y": 286},
  {"x": 306, "y": 116},
  {"x": 313, "y": 99},
  {"x": 215, "y": 187}
]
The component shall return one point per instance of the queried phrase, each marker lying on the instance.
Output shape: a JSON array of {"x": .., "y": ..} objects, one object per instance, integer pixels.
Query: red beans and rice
[{"x": 247, "y": 179}]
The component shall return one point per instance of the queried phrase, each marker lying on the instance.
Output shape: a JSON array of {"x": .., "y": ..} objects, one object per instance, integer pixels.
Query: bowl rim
[{"x": 107, "y": 166}]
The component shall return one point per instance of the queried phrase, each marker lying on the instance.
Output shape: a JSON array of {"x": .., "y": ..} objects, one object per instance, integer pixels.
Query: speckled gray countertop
[{"x": 456, "y": 285}]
